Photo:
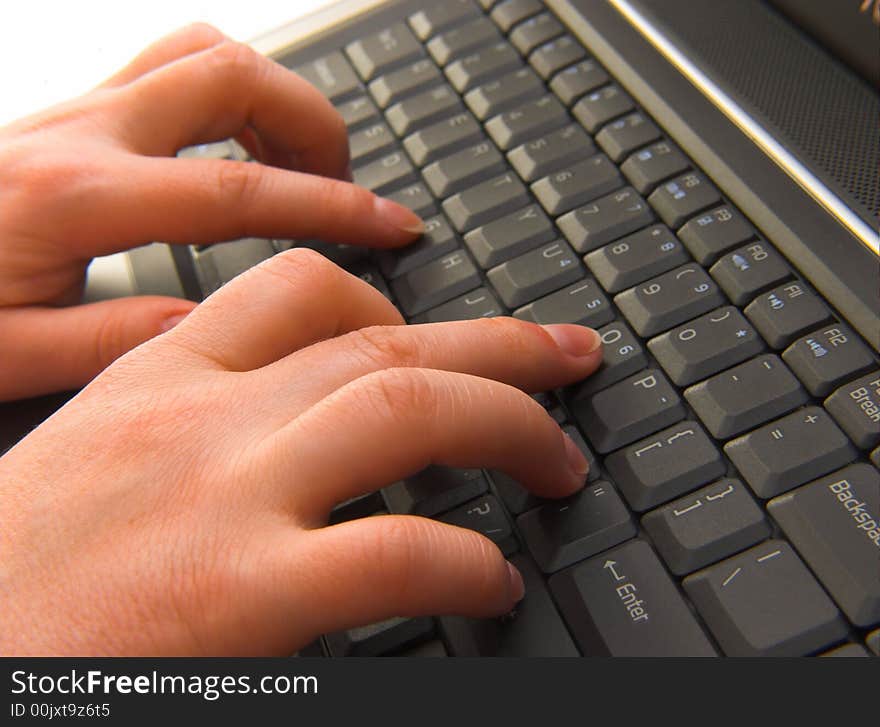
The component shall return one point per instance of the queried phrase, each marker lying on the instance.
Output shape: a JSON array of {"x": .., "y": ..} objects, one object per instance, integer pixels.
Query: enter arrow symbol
[{"x": 609, "y": 565}]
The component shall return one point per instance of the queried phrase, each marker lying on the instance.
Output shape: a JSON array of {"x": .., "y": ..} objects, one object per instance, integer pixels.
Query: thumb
[
  {"x": 378, "y": 567},
  {"x": 59, "y": 349}
]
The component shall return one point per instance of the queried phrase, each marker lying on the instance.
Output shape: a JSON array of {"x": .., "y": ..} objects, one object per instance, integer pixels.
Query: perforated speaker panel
[{"x": 817, "y": 108}]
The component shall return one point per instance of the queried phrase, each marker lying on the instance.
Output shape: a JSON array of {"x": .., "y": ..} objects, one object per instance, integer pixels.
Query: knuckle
[
  {"x": 109, "y": 341},
  {"x": 385, "y": 346},
  {"x": 199, "y": 33},
  {"x": 239, "y": 182},
  {"x": 237, "y": 62},
  {"x": 396, "y": 393}
]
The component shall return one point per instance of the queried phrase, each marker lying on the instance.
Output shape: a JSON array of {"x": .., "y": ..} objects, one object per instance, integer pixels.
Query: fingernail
[
  {"x": 577, "y": 463},
  {"x": 349, "y": 175},
  {"x": 574, "y": 340},
  {"x": 169, "y": 323},
  {"x": 399, "y": 216},
  {"x": 517, "y": 587}
]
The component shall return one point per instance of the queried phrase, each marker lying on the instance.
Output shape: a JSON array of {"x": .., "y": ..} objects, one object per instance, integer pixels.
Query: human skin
[{"x": 178, "y": 504}]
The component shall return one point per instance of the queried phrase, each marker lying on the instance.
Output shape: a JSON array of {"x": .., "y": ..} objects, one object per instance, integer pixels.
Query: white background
[{"x": 52, "y": 50}]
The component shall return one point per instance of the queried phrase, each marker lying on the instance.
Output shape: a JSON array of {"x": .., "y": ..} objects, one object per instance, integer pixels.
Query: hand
[
  {"x": 178, "y": 504},
  {"x": 91, "y": 177}
]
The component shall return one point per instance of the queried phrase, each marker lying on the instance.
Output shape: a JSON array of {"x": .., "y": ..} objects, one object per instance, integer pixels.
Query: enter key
[{"x": 623, "y": 603}]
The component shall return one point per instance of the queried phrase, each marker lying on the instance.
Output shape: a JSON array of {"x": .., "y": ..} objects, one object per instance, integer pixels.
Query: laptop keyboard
[{"x": 733, "y": 499}]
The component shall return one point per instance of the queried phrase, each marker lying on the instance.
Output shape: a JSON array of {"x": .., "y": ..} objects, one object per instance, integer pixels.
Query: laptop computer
[{"x": 698, "y": 181}]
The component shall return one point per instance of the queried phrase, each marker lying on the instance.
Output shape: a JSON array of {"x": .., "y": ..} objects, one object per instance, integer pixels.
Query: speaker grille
[{"x": 821, "y": 112}]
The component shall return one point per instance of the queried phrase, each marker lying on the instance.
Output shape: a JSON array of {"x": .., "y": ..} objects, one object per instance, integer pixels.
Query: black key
[
  {"x": 517, "y": 499},
  {"x": 712, "y": 523},
  {"x": 383, "y": 175},
  {"x": 358, "y": 507},
  {"x": 509, "y": 236},
  {"x": 427, "y": 649},
  {"x": 645, "y": 169},
  {"x": 847, "y": 651},
  {"x": 706, "y": 345},
  {"x": 422, "y": 109},
  {"x": 513, "y": 127},
  {"x": 464, "y": 169},
  {"x": 442, "y": 138},
  {"x": 404, "y": 82},
  {"x": 665, "y": 465},
  {"x": 556, "y": 55},
  {"x": 384, "y": 51},
  {"x": 486, "y": 516},
  {"x": 547, "y": 153},
  {"x": 369, "y": 143},
  {"x": 562, "y": 532},
  {"x": 510, "y": 12},
  {"x": 438, "y": 239},
  {"x": 682, "y": 197},
  {"x": 464, "y": 39},
  {"x": 827, "y": 358},
  {"x": 745, "y": 396},
  {"x": 715, "y": 232},
  {"x": 622, "y": 603},
  {"x": 764, "y": 602},
  {"x": 833, "y": 523},
  {"x": 436, "y": 282},
  {"x": 790, "y": 451},
  {"x": 486, "y": 201},
  {"x": 622, "y": 356},
  {"x": 434, "y": 491},
  {"x": 856, "y": 407},
  {"x": 628, "y": 410},
  {"x": 582, "y": 302},
  {"x": 573, "y": 82},
  {"x": 579, "y": 183},
  {"x": 532, "y": 33},
  {"x": 872, "y": 641},
  {"x": 370, "y": 274},
  {"x": 787, "y": 312},
  {"x": 220, "y": 263},
  {"x": 332, "y": 75},
  {"x": 342, "y": 255},
  {"x": 749, "y": 270},
  {"x": 605, "y": 219},
  {"x": 636, "y": 258},
  {"x": 357, "y": 112},
  {"x": 534, "y": 628},
  {"x": 622, "y": 137},
  {"x": 417, "y": 198},
  {"x": 535, "y": 273},
  {"x": 512, "y": 89},
  {"x": 669, "y": 299},
  {"x": 481, "y": 66},
  {"x": 599, "y": 107},
  {"x": 440, "y": 16},
  {"x": 479, "y": 303},
  {"x": 380, "y": 638}
]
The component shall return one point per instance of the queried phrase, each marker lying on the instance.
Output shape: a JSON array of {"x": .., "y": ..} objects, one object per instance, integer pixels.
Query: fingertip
[
  {"x": 517, "y": 585},
  {"x": 399, "y": 217},
  {"x": 575, "y": 340}
]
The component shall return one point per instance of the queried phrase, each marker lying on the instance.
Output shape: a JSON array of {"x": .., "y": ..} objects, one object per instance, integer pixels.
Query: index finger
[{"x": 226, "y": 89}]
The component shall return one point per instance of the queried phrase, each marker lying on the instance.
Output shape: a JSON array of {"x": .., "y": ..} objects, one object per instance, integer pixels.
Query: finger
[
  {"x": 399, "y": 421},
  {"x": 183, "y": 42},
  {"x": 64, "y": 348},
  {"x": 201, "y": 201},
  {"x": 530, "y": 357},
  {"x": 368, "y": 570},
  {"x": 287, "y": 302},
  {"x": 218, "y": 92}
]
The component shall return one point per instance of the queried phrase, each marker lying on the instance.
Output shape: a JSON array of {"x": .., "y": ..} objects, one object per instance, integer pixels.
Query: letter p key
[{"x": 648, "y": 382}]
